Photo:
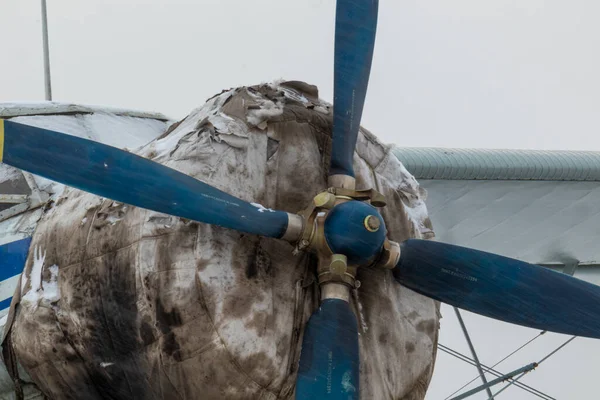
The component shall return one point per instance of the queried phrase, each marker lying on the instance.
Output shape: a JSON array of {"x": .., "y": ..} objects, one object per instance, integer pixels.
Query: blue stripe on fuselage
[
  {"x": 5, "y": 303},
  {"x": 12, "y": 258}
]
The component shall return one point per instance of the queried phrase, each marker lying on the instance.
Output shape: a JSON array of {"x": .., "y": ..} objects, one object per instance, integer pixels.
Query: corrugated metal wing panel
[{"x": 488, "y": 164}]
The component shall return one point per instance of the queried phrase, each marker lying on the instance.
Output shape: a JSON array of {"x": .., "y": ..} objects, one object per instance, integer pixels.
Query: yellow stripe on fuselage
[{"x": 1, "y": 139}]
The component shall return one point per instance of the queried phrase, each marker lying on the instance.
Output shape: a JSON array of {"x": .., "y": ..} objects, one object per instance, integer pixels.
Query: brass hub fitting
[
  {"x": 333, "y": 269},
  {"x": 390, "y": 255}
]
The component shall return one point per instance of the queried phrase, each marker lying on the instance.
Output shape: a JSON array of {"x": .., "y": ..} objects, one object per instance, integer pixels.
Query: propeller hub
[{"x": 356, "y": 230}]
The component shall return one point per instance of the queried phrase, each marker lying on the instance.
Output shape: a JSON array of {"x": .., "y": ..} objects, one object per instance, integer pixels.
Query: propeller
[
  {"x": 343, "y": 226},
  {"x": 355, "y": 27}
]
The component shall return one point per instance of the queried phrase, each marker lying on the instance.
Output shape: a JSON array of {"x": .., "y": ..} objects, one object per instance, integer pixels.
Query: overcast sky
[{"x": 448, "y": 73}]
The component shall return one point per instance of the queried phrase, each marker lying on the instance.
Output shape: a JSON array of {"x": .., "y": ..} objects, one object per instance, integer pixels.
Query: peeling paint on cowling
[{"x": 153, "y": 306}]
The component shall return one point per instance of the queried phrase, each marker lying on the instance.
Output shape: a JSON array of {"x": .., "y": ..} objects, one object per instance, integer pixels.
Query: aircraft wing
[{"x": 542, "y": 207}]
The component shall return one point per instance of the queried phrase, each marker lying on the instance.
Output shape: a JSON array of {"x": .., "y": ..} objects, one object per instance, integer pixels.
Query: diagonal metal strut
[
  {"x": 500, "y": 379},
  {"x": 473, "y": 353},
  {"x": 492, "y": 371}
]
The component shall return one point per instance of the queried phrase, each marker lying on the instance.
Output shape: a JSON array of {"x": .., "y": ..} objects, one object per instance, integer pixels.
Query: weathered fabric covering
[{"x": 137, "y": 304}]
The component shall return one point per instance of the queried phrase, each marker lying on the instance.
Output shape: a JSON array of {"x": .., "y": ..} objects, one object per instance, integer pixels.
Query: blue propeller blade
[
  {"x": 499, "y": 287},
  {"x": 355, "y": 26},
  {"x": 329, "y": 360},
  {"x": 125, "y": 177}
]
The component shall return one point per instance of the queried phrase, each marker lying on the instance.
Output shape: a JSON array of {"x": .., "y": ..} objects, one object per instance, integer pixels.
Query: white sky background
[{"x": 448, "y": 73}]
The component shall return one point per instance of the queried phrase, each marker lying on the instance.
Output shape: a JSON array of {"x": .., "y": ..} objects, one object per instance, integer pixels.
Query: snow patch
[
  {"x": 262, "y": 208},
  {"x": 50, "y": 289},
  {"x": 40, "y": 290},
  {"x": 417, "y": 212},
  {"x": 268, "y": 109},
  {"x": 415, "y": 207},
  {"x": 106, "y": 364},
  {"x": 35, "y": 277}
]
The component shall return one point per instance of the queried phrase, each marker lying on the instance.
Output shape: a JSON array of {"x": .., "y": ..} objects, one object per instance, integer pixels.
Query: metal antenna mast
[{"x": 47, "y": 81}]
